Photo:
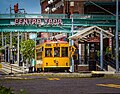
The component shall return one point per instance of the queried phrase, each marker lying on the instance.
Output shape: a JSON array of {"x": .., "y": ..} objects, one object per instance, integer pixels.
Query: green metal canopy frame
[{"x": 8, "y": 24}]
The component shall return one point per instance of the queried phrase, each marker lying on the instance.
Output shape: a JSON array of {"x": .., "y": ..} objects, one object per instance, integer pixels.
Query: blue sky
[{"x": 31, "y": 6}]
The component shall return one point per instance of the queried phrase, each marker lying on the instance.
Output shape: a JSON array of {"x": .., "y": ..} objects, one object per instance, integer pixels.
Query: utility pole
[{"x": 116, "y": 36}]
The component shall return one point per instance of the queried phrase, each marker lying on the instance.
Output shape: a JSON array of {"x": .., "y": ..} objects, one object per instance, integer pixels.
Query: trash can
[{"x": 92, "y": 65}]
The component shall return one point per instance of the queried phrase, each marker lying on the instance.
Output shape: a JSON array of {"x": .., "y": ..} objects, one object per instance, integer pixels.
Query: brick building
[
  {"x": 97, "y": 7},
  {"x": 79, "y": 6}
]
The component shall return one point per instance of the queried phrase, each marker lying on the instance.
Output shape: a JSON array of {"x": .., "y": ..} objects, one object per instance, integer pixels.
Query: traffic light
[{"x": 16, "y": 8}]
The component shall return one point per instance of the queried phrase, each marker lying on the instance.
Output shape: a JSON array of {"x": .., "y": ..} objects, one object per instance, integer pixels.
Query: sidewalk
[
  {"x": 30, "y": 76},
  {"x": 45, "y": 75},
  {"x": 14, "y": 68}
]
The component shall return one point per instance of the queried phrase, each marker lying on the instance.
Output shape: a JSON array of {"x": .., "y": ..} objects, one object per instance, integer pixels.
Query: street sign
[{"x": 32, "y": 35}]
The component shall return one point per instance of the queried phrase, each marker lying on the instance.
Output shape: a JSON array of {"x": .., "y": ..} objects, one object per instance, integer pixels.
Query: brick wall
[{"x": 78, "y": 6}]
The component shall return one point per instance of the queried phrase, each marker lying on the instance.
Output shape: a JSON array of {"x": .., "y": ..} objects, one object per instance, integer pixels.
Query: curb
[
  {"x": 46, "y": 75},
  {"x": 57, "y": 75}
]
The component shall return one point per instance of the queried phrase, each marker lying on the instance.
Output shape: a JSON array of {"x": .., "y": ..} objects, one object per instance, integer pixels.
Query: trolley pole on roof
[{"x": 116, "y": 36}]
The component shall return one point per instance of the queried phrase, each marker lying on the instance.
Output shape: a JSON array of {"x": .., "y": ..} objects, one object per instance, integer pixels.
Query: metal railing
[
  {"x": 105, "y": 64},
  {"x": 60, "y": 16}
]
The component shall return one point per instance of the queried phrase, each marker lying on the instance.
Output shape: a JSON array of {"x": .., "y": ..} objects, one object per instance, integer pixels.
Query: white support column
[
  {"x": 35, "y": 53},
  {"x": 116, "y": 37},
  {"x": 88, "y": 51},
  {"x": 8, "y": 55},
  {"x": 11, "y": 57},
  {"x": 101, "y": 50},
  {"x": 80, "y": 58},
  {"x": 18, "y": 52},
  {"x": 5, "y": 49},
  {"x": 2, "y": 40},
  {"x": 72, "y": 44}
]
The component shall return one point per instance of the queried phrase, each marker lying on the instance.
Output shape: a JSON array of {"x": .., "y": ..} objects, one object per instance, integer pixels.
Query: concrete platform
[{"x": 102, "y": 72}]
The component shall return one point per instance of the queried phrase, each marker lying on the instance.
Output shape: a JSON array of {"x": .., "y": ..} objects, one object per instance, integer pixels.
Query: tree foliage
[{"x": 27, "y": 49}]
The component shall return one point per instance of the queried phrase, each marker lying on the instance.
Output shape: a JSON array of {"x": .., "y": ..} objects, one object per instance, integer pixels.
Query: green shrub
[{"x": 4, "y": 90}]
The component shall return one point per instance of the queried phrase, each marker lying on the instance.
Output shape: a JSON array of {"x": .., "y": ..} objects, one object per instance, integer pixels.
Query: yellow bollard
[{"x": 0, "y": 65}]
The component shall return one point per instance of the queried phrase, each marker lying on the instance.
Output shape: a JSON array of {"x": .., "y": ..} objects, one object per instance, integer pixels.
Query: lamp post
[
  {"x": 13, "y": 53},
  {"x": 13, "y": 49},
  {"x": 50, "y": 8}
]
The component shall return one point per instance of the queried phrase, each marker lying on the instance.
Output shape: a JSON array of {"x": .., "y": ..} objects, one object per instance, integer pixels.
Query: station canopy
[
  {"x": 91, "y": 34},
  {"x": 52, "y": 22}
]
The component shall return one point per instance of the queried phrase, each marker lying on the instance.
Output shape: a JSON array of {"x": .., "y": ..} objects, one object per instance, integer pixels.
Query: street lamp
[
  {"x": 50, "y": 8},
  {"x": 13, "y": 51}
]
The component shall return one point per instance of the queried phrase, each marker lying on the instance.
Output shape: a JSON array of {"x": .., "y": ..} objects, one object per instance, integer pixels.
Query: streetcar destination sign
[{"x": 37, "y": 21}]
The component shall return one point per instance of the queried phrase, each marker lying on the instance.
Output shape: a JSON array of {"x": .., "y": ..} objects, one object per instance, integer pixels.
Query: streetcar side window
[
  {"x": 48, "y": 52},
  {"x": 56, "y": 51},
  {"x": 64, "y": 51},
  {"x": 39, "y": 54}
]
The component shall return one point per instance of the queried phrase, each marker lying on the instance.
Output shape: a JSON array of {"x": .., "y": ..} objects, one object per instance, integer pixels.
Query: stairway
[
  {"x": 108, "y": 65},
  {"x": 12, "y": 68}
]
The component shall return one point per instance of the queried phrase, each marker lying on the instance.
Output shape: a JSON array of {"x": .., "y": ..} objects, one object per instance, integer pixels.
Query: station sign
[{"x": 37, "y": 21}]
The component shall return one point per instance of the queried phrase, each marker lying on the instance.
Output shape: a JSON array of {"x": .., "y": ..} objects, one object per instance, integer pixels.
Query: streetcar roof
[
  {"x": 58, "y": 41},
  {"x": 51, "y": 42}
]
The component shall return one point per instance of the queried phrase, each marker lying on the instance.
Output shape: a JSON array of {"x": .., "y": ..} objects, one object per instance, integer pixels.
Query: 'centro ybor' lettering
[{"x": 38, "y": 21}]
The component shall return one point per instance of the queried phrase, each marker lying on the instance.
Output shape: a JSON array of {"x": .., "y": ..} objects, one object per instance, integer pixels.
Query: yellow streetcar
[{"x": 53, "y": 55}]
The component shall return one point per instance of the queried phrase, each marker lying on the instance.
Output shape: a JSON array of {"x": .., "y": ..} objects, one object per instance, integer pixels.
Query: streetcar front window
[
  {"x": 64, "y": 51},
  {"x": 56, "y": 51},
  {"x": 48, "y": 52}
]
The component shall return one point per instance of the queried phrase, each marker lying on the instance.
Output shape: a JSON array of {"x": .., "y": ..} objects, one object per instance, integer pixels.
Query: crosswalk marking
[
  {"x": 109, "y": 85},
  {"x": 53, "y": 78}
]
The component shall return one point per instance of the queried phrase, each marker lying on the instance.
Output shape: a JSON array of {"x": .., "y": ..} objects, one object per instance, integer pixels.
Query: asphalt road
[{"x": 65, "y": 85}]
